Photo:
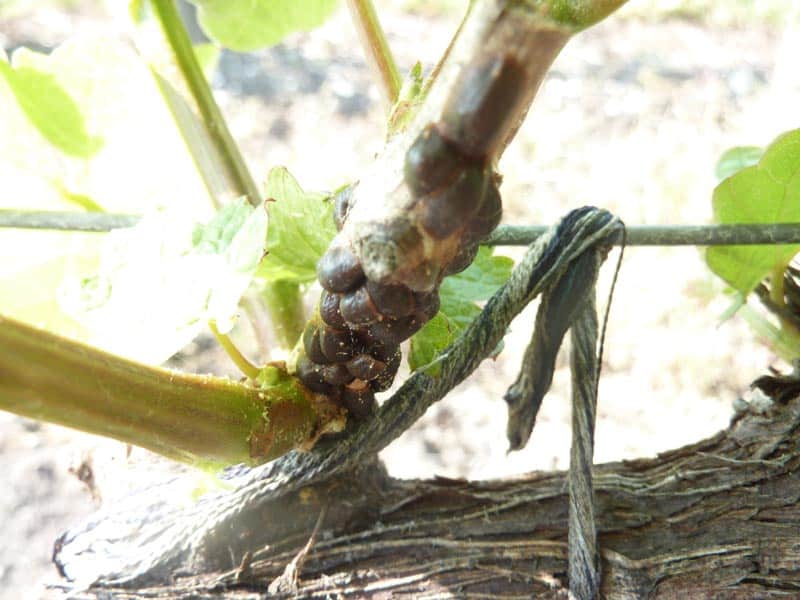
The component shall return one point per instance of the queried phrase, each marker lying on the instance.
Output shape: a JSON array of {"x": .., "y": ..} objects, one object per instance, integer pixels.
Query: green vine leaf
[
  {"x": 301, "y": 228},
  {"x": 48, "y": 106},
  {"x": 94, "y": 87},
  {"x": 767, "y": 192},
  {"x": 158, "y": 283},
  {"x": 458, "y": 295},
  {"x": 247, "y": 25},
  {"x": 735, "y": 159}
]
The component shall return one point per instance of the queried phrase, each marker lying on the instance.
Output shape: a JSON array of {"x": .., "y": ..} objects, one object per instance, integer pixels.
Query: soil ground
[{"x": 631, "y": 118}]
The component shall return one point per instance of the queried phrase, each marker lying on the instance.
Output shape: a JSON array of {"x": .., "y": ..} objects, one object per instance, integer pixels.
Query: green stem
[
  {"x": 239, "y": 359},
  {"x": 577, "y": 14},
  {"x": 373, "y": 40},
  {"x": 199, "y": 419},
  {"x": 210, "y": 113},
  {"x": 776, "y": 287}
]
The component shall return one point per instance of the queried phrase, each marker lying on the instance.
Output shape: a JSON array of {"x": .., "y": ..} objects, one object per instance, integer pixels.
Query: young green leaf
[
  {"x": 216, "y": 236},
  {"x": 301, "y": 228},
  {"x": 784, "y": 341},
  {"x": 458, "y": 296},
  {"x": 141, "y": 163},
  {"x": 410, "y": 97},
  {"x": 735, "y": 159},
  {"x": 479, "y": 281},
  {"x": 428, "y": 343},
  {"x": 49, "y": 107},
  {"x": 247, "y": 25},
  {"x": 768, "y": 192},
  {"x": 159, "y": 282}
]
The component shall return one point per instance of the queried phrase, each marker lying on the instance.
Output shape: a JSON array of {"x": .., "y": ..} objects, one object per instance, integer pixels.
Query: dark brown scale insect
[
  {"x": 339, "y": 270},
  {"x": 462, "y": 259},
  {"x": 488, "y": 215},
  {"x": 392, "y": 300},
  {"x": 336, "y": 374},
  {"x": 357, "y": 308},
  {"x": 360, "y": 403},
  {"x": 391, "y": 331},
  {"x": 384, "y": 381},
  {"x": 448, "y": 210},
  {"x": 431, "y": 163},
  {"x": 311, "y": 345},
  {"x": 341, "y": 206},
  {"x": 384, "y": 352},
  {"x": 338, "y": 345},
  {"x": 311, "y": 376},
  {"x": 329, "y": 310},
  {"x": 476, "y": 117},
  {"x": 427, "y": 304},
  {"x": 365, "y": 367}
]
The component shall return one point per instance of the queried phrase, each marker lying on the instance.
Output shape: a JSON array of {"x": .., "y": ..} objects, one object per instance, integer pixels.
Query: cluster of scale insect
[{"x": 353, "y": 350}]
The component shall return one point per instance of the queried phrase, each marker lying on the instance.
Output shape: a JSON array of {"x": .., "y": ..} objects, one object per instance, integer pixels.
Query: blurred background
[{"x": 632, "y": 118}]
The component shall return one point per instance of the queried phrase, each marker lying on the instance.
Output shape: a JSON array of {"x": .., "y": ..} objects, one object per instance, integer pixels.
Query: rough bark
[{"x": 716, "y": 519}]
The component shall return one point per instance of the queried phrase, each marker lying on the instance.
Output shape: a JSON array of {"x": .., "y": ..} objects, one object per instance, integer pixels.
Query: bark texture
[{"x": 716, "y": 519}]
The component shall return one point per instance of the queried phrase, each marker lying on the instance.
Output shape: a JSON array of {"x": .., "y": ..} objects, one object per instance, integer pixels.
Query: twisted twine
[
  {"x": 584, "y": 557},
  {"x": 568, "y": 303}
]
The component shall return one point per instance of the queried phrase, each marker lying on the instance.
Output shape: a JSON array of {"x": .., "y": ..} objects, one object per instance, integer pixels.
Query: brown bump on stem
[
  {"x": 392, "y": 300},
  {"x": 310, "y": 375},
  {"x": 359, "y": 403},
  {"x": 483, "y": 105},
  {"x": 339, "y": 270},
  {"x": 329, "y": 310},
  {"x": 384, "y": 381},
  {"x": 431, "y": 163},
  {"x": 338, "y": 345},
  {"x": 384, "y": 352},
  {"x": 365, "y": 367},
  {"x": 311, "y": 345},
  {"x": 337, "y": 374},
  {"x": 448, "y": 210},
  {"x": 357, "y": 308},
  {"x": 427, "y": 305},
  {"x": 488, "y": 216},
  {"x": 462, "y": 259},
  {"x": 391, "y": 331}
]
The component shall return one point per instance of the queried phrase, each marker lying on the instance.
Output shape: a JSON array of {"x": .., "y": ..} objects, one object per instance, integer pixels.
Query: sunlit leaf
[
  {"x": 161, "y": 281},
  {"x": 768, "y": 192},
  {"x": 246, "y": 25},
  {"x": 429, "y": 342},
  {"x": 49, "y": 108},
  {"x": 735, "y": 159},
  {"x": 301, "y": 228},
  {"x": 458, "y": 295}
]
